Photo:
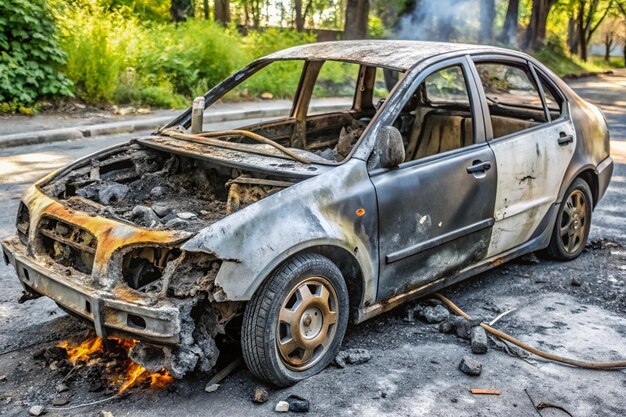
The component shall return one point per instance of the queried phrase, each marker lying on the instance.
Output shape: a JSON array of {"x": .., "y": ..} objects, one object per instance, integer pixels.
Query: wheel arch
[{"x": 589, "y": 175}]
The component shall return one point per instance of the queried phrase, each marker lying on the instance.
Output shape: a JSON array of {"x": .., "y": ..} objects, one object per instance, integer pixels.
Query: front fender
[{"x": 319, "y": 211}]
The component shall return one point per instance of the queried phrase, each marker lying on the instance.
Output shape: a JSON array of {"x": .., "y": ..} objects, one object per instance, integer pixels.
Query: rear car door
[
  {"x": 533, "y": 140},
  {"x": 436, "y": 209}
]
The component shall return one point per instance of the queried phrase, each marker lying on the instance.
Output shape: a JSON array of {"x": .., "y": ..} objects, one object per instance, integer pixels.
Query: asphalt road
[{"x": 413, "y": 371}]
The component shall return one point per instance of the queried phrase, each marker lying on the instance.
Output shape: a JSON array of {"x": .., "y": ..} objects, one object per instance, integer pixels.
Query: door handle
[
  {"x": 565, "y": 139},
  {"x": 479, "y": 167}
]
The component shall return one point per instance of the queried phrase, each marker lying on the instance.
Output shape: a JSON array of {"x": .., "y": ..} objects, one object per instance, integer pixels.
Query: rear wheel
[
  {"x": 573, "y": 222},
  {"x": 295, "y": 322}
]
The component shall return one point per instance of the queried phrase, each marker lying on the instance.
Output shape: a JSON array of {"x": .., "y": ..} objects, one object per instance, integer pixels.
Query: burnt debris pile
[{"x": 158, "y": 190}]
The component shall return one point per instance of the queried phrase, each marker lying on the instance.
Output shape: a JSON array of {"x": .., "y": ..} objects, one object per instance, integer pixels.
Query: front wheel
[
  {"x": 294, "y": 324},
  {"x": 573, "y": 222}
]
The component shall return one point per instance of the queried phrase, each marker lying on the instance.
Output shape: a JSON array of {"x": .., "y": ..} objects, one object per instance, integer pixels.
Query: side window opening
[
  {"x": 438, "y": 116},
  {"x": 554, "y": 101},
  {"x": 512, "y": 97}
]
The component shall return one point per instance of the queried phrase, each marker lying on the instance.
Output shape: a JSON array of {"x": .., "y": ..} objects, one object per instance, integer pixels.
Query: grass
[{"x": 562, "y": 64}]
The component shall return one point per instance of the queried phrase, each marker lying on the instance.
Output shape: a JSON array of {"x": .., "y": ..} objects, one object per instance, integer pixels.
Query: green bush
[
  {"x": 30, "y": 55},
  {"x": 100, "y": 45}
]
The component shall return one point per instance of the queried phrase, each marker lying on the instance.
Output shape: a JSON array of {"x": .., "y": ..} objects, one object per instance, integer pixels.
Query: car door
[
  {"x": 533, "y": 145},
  {"x": 435, "y": 210}
]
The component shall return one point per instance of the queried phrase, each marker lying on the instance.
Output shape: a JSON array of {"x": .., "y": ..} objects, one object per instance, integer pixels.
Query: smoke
[{"x": 441, "y": 20}]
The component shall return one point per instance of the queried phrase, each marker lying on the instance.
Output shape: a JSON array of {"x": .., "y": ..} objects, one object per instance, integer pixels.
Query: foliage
[{"x": 30, "y": 55}]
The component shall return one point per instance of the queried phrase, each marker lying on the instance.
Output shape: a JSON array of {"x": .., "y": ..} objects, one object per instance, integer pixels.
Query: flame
[{"x": 91, "y": 352}]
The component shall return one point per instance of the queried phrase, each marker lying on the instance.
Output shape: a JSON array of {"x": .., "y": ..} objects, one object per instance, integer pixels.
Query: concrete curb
[{"x": 130, "y": 126}]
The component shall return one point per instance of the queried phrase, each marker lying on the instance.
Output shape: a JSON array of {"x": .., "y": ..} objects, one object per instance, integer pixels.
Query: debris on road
[
  {"x": 435, "y": 314},
  {"x": 3, "y": 378},
  {"x": 60, "y": 400},
  {"x": 484, "y": 391},
  {"x": 352, "y": 357},
  {"x": 260, "y": 395},
  {"x": 212, "y": 387},
  {"x": 576, "y": 282},
  {"x": 36, "y": 410},
  {"x": 62, "y": 388},
  {"x": 470, "y": 366},
  {"x": 105, "y": 414},
  {"x": 282, "y": 407},
  {"x": 298, "y": 404},
  {"x": 479, "y": 341}
]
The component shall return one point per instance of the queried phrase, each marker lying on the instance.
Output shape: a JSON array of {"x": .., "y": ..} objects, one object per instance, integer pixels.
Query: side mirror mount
[{"x": 389, "y": 148}]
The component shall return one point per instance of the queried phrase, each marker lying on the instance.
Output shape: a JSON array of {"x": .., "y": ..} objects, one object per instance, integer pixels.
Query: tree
[
  {"x": 588, "y": 19},
  {"x": 206, "y": 9},
  {"x": 222, "y": 11},
  {"x": 357, "y": 16},
  {"x": 487, "y": 15},
  {"x": 536, "y": 31},
  {"x": 180, "y": 10},
  {"x": 508, "y": 35}
]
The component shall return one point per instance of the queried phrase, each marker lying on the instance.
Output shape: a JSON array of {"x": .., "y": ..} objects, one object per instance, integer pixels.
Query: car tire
[
  {"x": 573, "y": 222},
  {"x": 294, "y": 324}
]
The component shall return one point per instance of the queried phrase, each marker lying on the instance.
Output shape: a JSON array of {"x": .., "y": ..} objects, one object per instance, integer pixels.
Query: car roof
[{"x": 399, "y": 54}]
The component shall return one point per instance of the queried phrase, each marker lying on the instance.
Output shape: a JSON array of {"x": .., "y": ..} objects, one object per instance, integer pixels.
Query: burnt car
[{"x": 446, "y": 160}]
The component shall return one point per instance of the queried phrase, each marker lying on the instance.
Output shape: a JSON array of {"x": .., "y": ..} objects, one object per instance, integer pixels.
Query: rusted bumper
[{"x": 160, "y": 325}]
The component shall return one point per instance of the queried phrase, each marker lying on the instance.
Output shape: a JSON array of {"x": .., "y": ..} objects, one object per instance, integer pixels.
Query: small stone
[
  {"x": 112, "y": 193},
  {"x": 60, "y": 400},
  {"x": 212, "y": 387},
  {"x": 260, "y": 395},
  {"x": 352, "y": 357},
  {"x": 576, "y": 282},
  {"x": 479, "y": 343},
  {"x": 161, "y": 210},
  {"x": 144, "y": 110},
  {"x": 157, "y": 191},
  {"x": 175, "y": 223},
  {"x": 145, "y": 215},
  {"x": 187, "y": 216},
  {"x": 105, "y": 414},
  {"x": 447, "y": 326},
  {"x": 470, "y": 366},
  {"x": 267, "y": 95},
  {"x": 36, "y": 410},
  {"x": 3, "y": 378},
  {"x": 463, "y": 327},
  {"x": 435, "y": 314},
  {"x": 282, "y": 407},
  {"x": 530, "y": 259},
  {"x": 62, "y": 387},
  {"x": 298, "y": 404}
]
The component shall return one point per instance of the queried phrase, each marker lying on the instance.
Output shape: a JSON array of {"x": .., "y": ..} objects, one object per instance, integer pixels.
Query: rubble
[
  {"x": 62, "y": 388},
  {"x": 470, "y": 366},
  {"x": 260, "y": 395},
  {"x": 459, "y": 325},
  {"x": 576, "y": 282},
  {"x": 479, "y": 341},
  {"x": 212, "y": 387},
  {"x": 60, "y": 400},
  {"x": 158, "y": 190},
  {"x": 352, "y": 357},
  {"x": 105, "y": 414},
  {"x": 298, "y": 404},
  {"x": 36, "y": 410},
  {"x": 282, "y": 407},
  {"x": 435, "y": 314}
]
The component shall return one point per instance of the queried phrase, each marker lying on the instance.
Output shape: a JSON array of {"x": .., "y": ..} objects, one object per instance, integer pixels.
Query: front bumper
[{"x": 158, "y": 323}]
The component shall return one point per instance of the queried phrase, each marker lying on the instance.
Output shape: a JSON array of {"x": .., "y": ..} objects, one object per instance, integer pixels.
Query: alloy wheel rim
[
  {"x": 307, "y": 323},
  {"x": 574, "y": 222}
]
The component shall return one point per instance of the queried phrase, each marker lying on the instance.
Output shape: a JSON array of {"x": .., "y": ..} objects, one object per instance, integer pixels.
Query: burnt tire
[
  {"x": 573, "y": 222},
  {"x": 288, "y": 315}
]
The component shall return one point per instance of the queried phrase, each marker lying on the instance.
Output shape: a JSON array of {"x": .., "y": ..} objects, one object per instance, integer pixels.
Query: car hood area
[{"x": 160, "y": 189}]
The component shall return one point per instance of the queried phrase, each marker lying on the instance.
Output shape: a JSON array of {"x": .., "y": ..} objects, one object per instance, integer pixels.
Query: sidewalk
[{"x": 28, "y": 130}]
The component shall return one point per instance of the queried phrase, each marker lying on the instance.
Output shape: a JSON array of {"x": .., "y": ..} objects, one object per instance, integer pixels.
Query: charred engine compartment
[{"x": 159, "y": 190}]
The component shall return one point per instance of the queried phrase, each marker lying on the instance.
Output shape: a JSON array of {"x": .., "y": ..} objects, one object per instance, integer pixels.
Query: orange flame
[{"x": 133, "y": 374}]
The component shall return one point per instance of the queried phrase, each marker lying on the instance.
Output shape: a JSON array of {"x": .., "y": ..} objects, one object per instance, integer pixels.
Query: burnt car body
[{"x": 476, "y": 156}]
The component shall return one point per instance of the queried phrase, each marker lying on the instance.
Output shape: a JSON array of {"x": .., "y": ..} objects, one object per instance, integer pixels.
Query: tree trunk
[
  {"x": 357, "y": 16},
  {"x": 624, "y": 53},
  {"x": 572, "y": 36},
  {"x": 608, "y": 45},
  {"x": 509, "y": 29},
  {"x": 299, "y": 16},
  {"x": 222, "y": 11},
  {"x": 180, "y": 10},
  {"x": 536, "y": 31},
  {"x": 487, "y": 15},
  {"x": 206, "y": 9}
]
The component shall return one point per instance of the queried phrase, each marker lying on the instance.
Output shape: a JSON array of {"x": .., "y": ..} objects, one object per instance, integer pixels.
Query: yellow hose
[{"x": 549, "y": 356}]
